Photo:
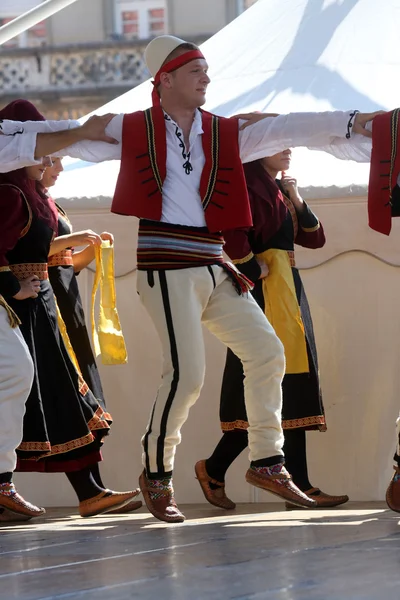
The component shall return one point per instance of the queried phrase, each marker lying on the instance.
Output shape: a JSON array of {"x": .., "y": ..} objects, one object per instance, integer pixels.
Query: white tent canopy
[{"x": 286, "y": 56}]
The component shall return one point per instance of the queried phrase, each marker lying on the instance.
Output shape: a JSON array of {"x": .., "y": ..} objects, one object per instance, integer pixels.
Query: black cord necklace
[{"x": 186, "y": 156}]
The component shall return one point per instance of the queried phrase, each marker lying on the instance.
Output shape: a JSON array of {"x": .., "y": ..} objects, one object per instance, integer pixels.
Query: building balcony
[{"x": 53, "y": 76}]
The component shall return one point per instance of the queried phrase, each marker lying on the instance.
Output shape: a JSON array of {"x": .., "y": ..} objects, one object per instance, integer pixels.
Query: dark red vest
[
  {"x": 143, "y": 170},
  {"x": 385, "y": 167}
]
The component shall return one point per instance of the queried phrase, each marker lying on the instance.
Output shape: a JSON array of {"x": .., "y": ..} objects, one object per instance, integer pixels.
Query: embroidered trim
[
  {"x": 13, "y": 318},
  {"x": 63, "y": 214},
  {"x": 289, "y": 424},
  {"x": 187, "y": 164},
  {"x": 61, "y": 258},
  {"x": 24, "y": 270},
  {"x": 152, "y": 147},
  {"x": 231, "y": 425},
  {"x": 245, "y": 259},
  {"x": 214, "y": 157},
  {"x": 4, "y": 269},
  {"x": 311, "y": 229},
  {"x": 58, "y": 449},
  {"x": 395, "y": 128},
  {"x": 27, "y": 226},
  {"x": 350, "y": 123},
  {"x": 99, "y": 420},
  {"x": 305, "y": 422}
]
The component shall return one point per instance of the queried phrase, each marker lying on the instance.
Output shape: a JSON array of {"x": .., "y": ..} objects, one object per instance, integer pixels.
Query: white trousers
[
  {"x": 178, "y": 302},
  {"x": 16, "y": 377}
]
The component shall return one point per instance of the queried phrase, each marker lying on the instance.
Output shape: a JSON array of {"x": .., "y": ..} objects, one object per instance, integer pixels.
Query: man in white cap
[
  {"x": 18, "y": 149},
  {"x": 181, "y": 174}
]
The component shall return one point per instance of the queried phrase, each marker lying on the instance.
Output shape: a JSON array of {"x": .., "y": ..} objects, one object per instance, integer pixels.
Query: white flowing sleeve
[
  {"x": 98, "y": 151},
  {"x": 318, "y": 131},
  {"x": 17, "y": 151},
  {"x": 18, "y": 141}
]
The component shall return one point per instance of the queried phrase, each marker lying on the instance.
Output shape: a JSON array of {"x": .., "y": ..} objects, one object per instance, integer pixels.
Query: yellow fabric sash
[
  {"x": 83, "y": 387},
  {"x": 282, "y": 309},
  {"x": 108, "y": 339},
  {"x": 12, "y": 317}
]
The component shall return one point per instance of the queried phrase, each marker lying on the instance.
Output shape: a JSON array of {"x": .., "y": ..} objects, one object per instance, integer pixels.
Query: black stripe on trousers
[{"x": 174, "y": 384}]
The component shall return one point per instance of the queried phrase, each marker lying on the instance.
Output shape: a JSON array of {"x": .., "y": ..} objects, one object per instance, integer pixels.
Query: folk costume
[
  {"x": 64, "y": 424},
  {"x": 184, "y": 197},
  {"x": 383, "y": 204},
  {"x": 277, "y": 226},
  {"x": 64, "y": 282}
]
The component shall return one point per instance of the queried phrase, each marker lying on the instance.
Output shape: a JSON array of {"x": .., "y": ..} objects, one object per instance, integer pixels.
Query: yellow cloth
[
  {"x": 67, "y": 342},
  {"x": 12, "y": 317},
  {"x": 107, "y": 338},
  {"x": 282, "y": 309}
]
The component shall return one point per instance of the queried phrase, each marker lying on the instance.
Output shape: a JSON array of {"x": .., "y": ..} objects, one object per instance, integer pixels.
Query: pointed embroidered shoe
[
  {"x": 105, "y": 502},
  {"x": 16, "y": 505},
  {"x": 217, "y": 497},
  {"x": 322, "y": 500},
  {"x": 280, "y": 484},
  {"x": 160, "y": 501}
]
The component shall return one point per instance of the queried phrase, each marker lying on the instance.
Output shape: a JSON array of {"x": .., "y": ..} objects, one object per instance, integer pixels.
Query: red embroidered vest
[
  {"x": 143, "y": 170},
  {"x": 385, "y": 167}
]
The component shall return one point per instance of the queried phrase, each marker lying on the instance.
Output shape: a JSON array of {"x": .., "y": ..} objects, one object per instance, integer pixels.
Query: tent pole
[{"x": 31, "y": 17}]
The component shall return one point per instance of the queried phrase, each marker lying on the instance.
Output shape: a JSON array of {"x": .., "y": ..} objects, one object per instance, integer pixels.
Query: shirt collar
[{"x": 197, "y": 125}]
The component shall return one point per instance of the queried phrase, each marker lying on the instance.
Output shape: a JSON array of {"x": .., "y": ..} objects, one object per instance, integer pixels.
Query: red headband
[{"x": 170, "y": 66}]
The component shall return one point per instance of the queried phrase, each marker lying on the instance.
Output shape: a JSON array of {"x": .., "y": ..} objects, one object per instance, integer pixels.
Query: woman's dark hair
[{"x": 23, "y": 110}]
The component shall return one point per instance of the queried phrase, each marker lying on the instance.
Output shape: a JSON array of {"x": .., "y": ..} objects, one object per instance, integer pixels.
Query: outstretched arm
[
  {"x": 343, "y": 134},
  {"x": 23, "y": 144}
]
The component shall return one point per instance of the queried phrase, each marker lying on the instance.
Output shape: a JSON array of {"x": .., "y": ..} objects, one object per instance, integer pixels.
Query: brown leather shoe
[
  {"x": 322, "y": 500},
  {"x": 163, "y": 506},
  {"x": 216, "y": 497},
  {"x": 128, "y": 508},
  {"x": 16, "y": 505},
  {"x": 105, "y": 502},
  {"x": 393, "y": 491},
  {"x": 281, "y": 485}
]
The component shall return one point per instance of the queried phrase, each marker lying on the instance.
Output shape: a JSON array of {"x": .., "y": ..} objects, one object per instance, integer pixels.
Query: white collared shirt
[{"x": 181, "y": 198}]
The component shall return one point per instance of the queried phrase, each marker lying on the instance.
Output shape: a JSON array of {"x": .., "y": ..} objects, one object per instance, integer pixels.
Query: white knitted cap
[{"x": 158, "y": 49}]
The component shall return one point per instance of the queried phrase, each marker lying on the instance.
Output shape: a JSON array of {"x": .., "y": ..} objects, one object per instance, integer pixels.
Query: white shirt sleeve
[
  {"x": 318, "y": 131},
  {"x": 17, "y": 151},
  {"x": 98, "y": 151},
  {"x": 13, "y": 127}
]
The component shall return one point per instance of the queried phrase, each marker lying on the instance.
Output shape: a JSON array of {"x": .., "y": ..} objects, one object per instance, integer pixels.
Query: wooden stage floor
[{"x": 258, "y": 552}]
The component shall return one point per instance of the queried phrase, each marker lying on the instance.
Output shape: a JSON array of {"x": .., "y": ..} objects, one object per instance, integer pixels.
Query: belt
[
  {"x": 61, "y": 258},
  {"x": 166, "y": 246},
  {"x": 24, "y": 270}
]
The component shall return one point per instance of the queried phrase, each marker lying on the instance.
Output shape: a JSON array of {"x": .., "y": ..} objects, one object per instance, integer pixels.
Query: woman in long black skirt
[
  {"x": 265, "y": 254},
  {"x": 64, "y": 424},
  {"x": 63, "y": 266}
]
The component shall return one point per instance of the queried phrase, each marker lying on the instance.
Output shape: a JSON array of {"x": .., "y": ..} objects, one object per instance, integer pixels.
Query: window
[
  {"x": 244, "y": 5},
  {"x": 140, "y": 19},
  {"x": 35, "y": 36}
]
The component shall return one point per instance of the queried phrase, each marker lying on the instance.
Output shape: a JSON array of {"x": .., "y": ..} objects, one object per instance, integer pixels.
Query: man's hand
[
  {"x": 264, "y": 269},
  {"x": 30, "y": 288},
  {"x": 94, "y": 129},
  {"x": 361, "y": 120},
  {"x": 252, "y": 118}
]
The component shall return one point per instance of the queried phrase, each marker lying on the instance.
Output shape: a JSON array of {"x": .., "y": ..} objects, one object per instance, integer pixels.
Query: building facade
[{"x": 92, "y": 51}]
